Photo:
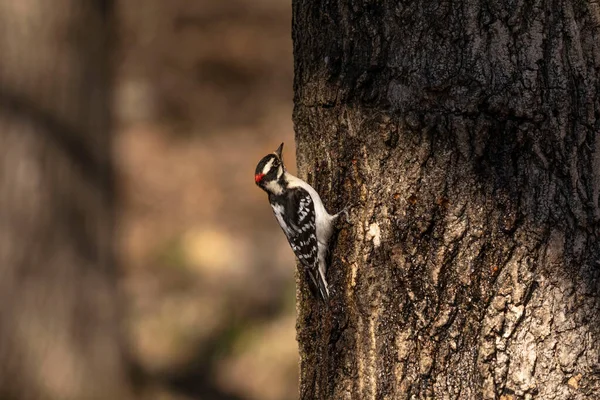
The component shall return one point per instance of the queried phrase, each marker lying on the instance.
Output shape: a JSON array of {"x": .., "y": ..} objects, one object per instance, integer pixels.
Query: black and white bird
[{"x": 301, "y": 214}]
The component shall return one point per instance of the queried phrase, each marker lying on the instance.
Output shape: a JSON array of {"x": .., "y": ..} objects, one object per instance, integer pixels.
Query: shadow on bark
[{"x": 472, "y": 270}]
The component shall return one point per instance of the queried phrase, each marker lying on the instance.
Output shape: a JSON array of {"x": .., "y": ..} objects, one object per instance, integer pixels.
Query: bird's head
[{"x": 269, "y": 171}]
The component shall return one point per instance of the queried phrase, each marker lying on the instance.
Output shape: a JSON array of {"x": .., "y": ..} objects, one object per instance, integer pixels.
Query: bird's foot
[{"x": 345, "y": 213}]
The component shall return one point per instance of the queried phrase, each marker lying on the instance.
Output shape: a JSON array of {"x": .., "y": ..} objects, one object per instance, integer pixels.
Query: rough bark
[
  {"x": 466, "y": 135},
  {"x": 59, "y": 337}
]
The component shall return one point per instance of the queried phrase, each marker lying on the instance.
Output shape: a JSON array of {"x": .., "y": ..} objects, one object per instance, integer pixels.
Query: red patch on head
[{"x": 258, "y": 177}]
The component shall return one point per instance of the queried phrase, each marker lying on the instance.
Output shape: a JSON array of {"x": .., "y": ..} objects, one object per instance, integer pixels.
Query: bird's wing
[{"x": 301, "y": 232}]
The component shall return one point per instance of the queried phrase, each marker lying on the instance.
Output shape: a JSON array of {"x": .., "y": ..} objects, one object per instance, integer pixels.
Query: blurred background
[{"x": 203, "y": 91}]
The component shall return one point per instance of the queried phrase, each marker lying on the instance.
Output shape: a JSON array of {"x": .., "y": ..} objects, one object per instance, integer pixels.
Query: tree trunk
[
  {"x": 466, "y": 135},
  {"x": 59, "y": 338}
]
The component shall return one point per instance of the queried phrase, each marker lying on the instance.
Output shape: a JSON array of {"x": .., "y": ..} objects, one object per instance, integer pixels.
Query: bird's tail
[{"x": 318, "y": 284}]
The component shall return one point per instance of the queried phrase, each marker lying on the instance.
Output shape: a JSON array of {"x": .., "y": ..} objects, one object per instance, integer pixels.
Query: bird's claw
[{"x": 345, "y": 213}]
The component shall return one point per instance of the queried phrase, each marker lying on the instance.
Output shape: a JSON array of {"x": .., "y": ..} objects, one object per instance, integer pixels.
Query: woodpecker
[{"x": 301, "y": 214}]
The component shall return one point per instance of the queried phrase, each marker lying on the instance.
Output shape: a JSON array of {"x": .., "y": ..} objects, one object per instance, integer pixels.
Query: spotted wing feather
[{"x": 301, "y": 232}]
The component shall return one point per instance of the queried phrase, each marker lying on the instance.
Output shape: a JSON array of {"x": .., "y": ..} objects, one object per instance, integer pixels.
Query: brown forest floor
[{"x": 204, "y": 90}]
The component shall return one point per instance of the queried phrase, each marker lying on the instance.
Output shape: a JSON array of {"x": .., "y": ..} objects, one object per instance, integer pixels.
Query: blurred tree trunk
[
  {"x": 467, "y": 136},
  {"x": 59, "y": 336}
]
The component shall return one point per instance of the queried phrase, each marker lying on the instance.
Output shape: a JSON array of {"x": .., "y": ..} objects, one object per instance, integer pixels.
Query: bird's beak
[
  {"x": 279, "y": 150},
  {"x": 258, "y": 178}
]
